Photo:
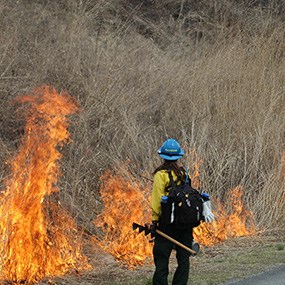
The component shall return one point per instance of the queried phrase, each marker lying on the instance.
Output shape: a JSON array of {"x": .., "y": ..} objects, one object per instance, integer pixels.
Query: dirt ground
[{"x": 233, "y": 259}]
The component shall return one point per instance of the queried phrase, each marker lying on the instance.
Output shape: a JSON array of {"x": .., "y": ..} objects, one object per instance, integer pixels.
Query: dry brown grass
[{"x": 211, "y": 76}]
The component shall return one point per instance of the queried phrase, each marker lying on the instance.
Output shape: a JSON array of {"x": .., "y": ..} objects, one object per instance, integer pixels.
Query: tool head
[
  {"x": 141, "y": 229},
  {"x": 137, "y": 226}
]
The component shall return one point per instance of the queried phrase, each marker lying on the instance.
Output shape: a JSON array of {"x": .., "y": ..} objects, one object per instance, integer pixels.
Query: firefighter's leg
[
  {"x": 161, "y": 253},
  {"x": 181, "y": 274}
]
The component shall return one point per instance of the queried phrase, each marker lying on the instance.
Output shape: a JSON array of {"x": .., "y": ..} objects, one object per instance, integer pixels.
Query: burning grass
[
  {"x": 38, "y": 238},
  {"x": 231, "y": 220},
  {"x": 126, "y": 201}
]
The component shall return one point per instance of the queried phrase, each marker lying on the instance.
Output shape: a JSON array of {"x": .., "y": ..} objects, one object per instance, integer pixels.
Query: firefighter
[{"x": 171, "y": 152}]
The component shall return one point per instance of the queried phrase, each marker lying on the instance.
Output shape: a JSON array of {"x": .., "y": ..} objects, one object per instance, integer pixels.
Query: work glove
[
  {"x": 207, "y": 212},
  {"x": 152, "y": 227}
]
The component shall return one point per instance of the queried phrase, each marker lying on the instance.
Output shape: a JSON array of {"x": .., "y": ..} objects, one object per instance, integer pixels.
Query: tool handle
[{"x": 176, "y": 242}]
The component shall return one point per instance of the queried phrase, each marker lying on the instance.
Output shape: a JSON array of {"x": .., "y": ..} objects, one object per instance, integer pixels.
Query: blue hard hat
[{"x": 170, "y": 150}]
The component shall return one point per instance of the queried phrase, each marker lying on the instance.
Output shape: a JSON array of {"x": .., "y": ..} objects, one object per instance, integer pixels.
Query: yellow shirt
[{"x": 160, "y": 182}]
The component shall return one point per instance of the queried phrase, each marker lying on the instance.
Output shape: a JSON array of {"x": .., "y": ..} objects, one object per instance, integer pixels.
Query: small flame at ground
[
  {"x": 38, "y": 238},
  {"x": 233, "y": 220},
  {"x": 124, "y": 203}
]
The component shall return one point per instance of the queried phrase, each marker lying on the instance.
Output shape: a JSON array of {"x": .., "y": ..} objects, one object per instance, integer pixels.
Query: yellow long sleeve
[
  {"x": 160, "y": 182},
  {"x": 157, "y": 192}
]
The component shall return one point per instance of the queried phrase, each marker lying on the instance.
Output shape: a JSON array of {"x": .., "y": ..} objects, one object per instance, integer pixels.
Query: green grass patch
[
  {"x": 228, "y": 264},
  {"x": 237, "y": 265}
]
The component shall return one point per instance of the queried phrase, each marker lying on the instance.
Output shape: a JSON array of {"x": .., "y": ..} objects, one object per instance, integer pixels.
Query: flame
[
  {"x": 235, "y": 220},
  {"x": 124, "y": 203},
  {"x": 38, "y": 238}
]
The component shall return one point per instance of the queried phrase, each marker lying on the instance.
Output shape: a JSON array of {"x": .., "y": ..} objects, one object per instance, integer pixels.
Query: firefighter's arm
[{"x": 157, "y": 193}]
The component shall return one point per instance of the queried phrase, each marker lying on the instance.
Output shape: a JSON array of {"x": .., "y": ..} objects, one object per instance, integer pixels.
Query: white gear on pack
[{"x": 207, "y": 212}]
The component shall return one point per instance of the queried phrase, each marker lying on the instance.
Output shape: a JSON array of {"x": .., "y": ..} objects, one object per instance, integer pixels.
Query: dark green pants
[{"x": 161, "y": 253}]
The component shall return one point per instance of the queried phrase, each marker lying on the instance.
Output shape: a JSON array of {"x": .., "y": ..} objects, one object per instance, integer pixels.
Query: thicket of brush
[{"x": 208, "y": 73}]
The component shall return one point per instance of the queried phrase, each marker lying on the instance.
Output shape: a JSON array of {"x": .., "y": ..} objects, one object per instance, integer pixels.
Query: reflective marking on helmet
[{"x": 171, "y": 150}]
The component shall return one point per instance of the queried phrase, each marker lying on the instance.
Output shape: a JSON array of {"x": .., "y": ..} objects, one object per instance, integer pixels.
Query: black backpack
[{"x": 183, "y": 207}]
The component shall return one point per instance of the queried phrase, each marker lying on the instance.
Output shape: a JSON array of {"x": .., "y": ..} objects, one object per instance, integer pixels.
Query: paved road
[{"x": 274, "y": 276}]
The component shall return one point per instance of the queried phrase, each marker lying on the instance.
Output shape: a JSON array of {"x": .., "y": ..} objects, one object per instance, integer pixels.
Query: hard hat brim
[{"x": 170, "y": 157}]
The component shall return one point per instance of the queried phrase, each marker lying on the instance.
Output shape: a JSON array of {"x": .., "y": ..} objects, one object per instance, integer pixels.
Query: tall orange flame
[{"x": 38, "y": 238}]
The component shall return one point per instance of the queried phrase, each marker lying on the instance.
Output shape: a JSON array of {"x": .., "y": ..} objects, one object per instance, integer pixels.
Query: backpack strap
[
  {"x": 172, "y": 183},
  {"x": 187, "y": 176}
]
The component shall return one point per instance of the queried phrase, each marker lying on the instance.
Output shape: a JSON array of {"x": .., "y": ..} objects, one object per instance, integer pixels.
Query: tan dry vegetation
[{"x": 208, "y": 73}]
